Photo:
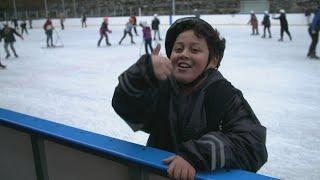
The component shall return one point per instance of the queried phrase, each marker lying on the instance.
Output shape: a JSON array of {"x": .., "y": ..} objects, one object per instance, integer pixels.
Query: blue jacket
[{"x": 315, "y": 25}]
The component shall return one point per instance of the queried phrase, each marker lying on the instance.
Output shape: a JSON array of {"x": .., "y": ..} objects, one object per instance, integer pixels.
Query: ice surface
[{"x": 74, "y": 86}]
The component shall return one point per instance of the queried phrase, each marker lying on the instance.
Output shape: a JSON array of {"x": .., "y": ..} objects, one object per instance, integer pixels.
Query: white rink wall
[{"x": 226, "y": 19}]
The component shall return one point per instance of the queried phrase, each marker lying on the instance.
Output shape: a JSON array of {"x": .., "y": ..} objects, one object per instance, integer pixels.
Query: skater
[
  {"x": 30, "y": 22},
  {"x": 146, "y": 36},
  {"x": 84, "y": 21},
  {"x": 134, "y": 23},
  {"x": 62, "y": 19},
  {"x": 266, "y": 24},
  {"x": 23, "y": 26},
  {"x": 314, "y": 34},
  {"x": 103, "y": 31},
  {"x": 155, "y": 27},
  {"x": 7, "y": 34},
  {"x": 14, "y": 21},
  {"x": 48, "y": 28},
  {"x": 128, "y": 30},
  {"x": 1, "y": 65},
  {"x": 283, "y": 24},
  {"x": 254, "y": 23},
  {"x": 188, "y": 107}
]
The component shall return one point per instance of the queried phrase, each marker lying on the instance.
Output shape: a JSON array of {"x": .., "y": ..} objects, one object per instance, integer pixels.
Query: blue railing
[{"x": 105, "y": 147}]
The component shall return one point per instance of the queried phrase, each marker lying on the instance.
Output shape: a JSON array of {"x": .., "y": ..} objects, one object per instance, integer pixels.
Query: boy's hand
[
  {"x": 161, "y": 65},
  {"x": 179, "y": 168}
]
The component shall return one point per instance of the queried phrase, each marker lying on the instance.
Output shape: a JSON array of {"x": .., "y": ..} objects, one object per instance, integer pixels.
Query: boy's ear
[{"x": 213, "y": 62}]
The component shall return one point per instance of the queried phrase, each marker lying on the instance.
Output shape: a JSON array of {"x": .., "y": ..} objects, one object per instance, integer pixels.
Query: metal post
[
  {"x": 46, "y": 7},
  {"x": 173, "y": 7},
  {"x": 14, "y": 8},
  {"x": 74, "y": 8},
  {"x": 139, "y": 11}
]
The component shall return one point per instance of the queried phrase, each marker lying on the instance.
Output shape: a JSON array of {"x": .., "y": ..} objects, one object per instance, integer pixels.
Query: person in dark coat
[
  {"x": 314, "y": 34},
  {"x": 146, "y": 36},
  {"x": 23, "y": 26},
  {"x": 283, "y": 24},
  {"x": 254, "y": 23},
  {"x": 14, "y": 21},
  {"x": 103, "y": 31},
  {"x": 8, "y": 34},
  {"x": 155, "y": 27},
  {"x": 188, "y": 107},
  {"x": 84, "y": 21},
  {"x": 48, "y": 29},
  {"x": 266, "y": 24}
]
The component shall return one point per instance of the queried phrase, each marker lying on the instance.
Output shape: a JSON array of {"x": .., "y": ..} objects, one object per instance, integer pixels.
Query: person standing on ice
[
  {"x": 314, "y": 34},
  {"x": 23, "y": 26},
  {"x": 266, "y": 24},
  {"x": 48, "y": 28},
  {"x": 62, "y": 19},
  {"x": 147, "y": 38},
  {"x": 188, "y": 107},
  {"x": 284, "y": 27},
  {"x": 128, "y": 30},
  {"x": 1, "y": 65},
  {"x": 104, "y": 30},
  {"x": 84, "y": 21},
  {"x": 8, "y": 34},
  {"x": 155, "y": 27},
  {"x": 254, "y": 23}
]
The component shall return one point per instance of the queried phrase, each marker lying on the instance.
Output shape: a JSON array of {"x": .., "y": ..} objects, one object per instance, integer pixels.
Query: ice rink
[{"x": 74, "y": 85}]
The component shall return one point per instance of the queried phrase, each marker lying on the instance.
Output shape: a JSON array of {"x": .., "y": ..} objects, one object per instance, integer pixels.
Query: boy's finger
[
  {"x": 168, "y": 160},
  {"x": 157, "y": 49}
]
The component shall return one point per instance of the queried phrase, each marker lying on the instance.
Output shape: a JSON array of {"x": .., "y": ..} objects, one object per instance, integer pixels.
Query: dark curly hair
[{"x": 202, "y": 29}]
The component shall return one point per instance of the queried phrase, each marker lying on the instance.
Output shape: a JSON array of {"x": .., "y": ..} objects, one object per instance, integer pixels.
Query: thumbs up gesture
[{"x": 161, "y": 65}]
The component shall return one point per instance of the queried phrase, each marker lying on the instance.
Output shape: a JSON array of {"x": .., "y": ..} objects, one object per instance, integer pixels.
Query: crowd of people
[{"x": 152, "y": 32}]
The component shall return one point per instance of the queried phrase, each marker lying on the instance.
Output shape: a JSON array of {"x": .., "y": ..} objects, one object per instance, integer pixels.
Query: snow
[{"x": 74, "y": 86}]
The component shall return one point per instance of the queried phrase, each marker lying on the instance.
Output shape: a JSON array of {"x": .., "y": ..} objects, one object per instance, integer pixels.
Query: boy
[
  {"x": 103, "y": 31},
  {"x": 188, "y": 107},
  {"x": 146, "y": 36}
]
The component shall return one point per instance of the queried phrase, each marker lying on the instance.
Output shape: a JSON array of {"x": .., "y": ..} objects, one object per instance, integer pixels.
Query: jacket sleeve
[
  {"x": 16, "y": 33},
  {"x": 239, "y": 144},
  {"x": 316, "y": 22},
  {"x": 133, "y": 97}
]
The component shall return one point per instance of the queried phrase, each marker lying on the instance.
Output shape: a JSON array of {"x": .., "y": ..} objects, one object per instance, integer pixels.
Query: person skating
[
  {"x": 254, "y": 23},
  {"x": 314, "y": 34},
  {"x": 284, "y": 27},
  {"x": 147, "y": 38},
  {"x": 62, "y": 19},
  {"x": 104, "y": 30},
  {"x": 134, "y": 23},
  {"x": 266, "y": 24},
  {"x": 48, "y": 28},
  {"x": 14, "y": 21},
  {"x": 155, "y": 27},
  {"x": 23, "y": 26},
  {"x": 84, "y": 21},
  {"x": 188, "y": 107},
  {"x": 30, "y": 22},
  {"x": 1, "y": 65},
  {"x": 127, "y": 30},
  {"x": 8, "y": 34}
]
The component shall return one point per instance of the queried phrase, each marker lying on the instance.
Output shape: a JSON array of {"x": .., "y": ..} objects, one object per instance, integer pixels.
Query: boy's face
[{"x": 189, "y": 57}]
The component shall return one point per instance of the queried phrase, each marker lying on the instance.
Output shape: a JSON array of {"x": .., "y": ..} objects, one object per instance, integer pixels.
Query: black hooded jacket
[
  {"x": 283, "y": 20},
  {"x": 213, "y": 127}
]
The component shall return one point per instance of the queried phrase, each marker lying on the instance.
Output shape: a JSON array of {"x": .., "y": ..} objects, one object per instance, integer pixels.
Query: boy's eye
[{"x": 178, "y": 49}]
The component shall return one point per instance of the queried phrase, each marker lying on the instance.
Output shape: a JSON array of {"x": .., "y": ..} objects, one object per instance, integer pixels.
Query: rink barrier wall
[
  {"x": 34, "y": 148},
  {"x": 223, "y": 19}
]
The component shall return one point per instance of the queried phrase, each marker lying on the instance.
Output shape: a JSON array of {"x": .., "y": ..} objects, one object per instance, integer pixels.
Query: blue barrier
[{"x": 88, "y": 142}]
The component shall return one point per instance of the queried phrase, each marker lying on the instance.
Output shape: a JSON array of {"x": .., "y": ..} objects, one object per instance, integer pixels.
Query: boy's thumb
[{"x": 157, "y": 49}]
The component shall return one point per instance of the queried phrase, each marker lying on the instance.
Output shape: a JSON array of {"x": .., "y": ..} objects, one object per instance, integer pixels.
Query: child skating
[{"x": 104, "y": 30}]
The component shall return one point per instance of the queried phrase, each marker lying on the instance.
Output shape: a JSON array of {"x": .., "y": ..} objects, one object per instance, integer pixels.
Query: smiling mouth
[{"x": 184, "y": 65}]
